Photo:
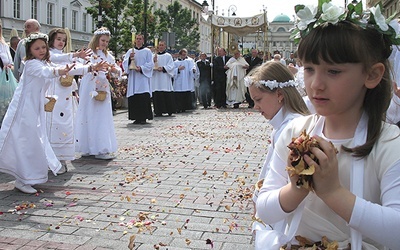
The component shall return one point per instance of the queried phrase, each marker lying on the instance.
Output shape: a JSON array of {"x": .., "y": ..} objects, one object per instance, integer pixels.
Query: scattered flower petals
[{"x": 132, "y": 242}]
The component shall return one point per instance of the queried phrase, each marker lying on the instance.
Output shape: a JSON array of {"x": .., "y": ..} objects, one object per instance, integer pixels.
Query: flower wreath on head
[
  {"x": 271, "y": 84},
  {"x": 32, "y": 37},
  {"x": 102, "y": 32},
  {"x": 309, "y": 17}
]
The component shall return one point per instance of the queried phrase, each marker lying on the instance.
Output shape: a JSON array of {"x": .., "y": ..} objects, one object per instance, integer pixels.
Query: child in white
[
  {"x": 95, "y": 134},
  {"x": 356, "y": 179},
  {"x": 60, "y": 122},
  {"x": 25, "y": 151}
]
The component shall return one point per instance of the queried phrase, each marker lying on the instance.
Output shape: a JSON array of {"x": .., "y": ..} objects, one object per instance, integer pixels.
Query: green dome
[{"x": 281, "y": 18}]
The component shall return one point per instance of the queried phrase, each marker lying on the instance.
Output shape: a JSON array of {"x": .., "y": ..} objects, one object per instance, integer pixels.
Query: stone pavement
[{"x": 179, "y": 182}]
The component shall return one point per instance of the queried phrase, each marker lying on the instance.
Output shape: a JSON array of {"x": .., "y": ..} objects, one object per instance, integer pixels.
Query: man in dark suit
[
  {"x": 204, "y": 67},
  {"x": 219, "y": 69},
  {"x": 253, "y": 61}
]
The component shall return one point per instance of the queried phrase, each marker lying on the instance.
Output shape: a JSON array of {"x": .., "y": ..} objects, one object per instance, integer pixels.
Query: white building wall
[{"x": 80, "y": 38}]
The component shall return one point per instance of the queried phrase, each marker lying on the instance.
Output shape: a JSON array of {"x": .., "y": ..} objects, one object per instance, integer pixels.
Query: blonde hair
[
  {"x": 94, "y": 43},
  {"x": 275, "y": 71}
]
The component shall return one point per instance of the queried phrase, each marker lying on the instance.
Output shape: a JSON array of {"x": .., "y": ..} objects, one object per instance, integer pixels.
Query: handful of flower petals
[{"x": 299, "y": 147}]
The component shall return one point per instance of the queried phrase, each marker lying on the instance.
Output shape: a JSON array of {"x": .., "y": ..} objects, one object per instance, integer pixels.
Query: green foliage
[
  {"x": 119, "y": 16},
  {"x": 112, "y": 11},
  {"x": 179, "y": 20}
]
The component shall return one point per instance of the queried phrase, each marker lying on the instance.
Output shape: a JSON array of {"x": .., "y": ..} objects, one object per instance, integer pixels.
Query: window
[
  {"x": 84, "y": 22},
  {"x": 34, "y": 10},
  {"x": 64, "y": 17},
  {"x": 281, "y": 29},
  {"x": 17, "y": 8},
  {"x": 74, "y": 19},
  {"x": 50, "y": 13}
]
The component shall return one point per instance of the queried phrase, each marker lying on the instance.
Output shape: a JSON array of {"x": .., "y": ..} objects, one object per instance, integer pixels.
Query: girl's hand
[
  {"x": 83, "y": 53},
  {"x": 326, "y": 175},
  {"x": 100, "y": 66},
  {"x": 64, "y": 71},
  {"x": 293, "y": 182}
]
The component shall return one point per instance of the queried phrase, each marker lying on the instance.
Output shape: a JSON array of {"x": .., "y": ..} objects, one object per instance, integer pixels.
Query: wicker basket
[
  {"x": 66, "y": 81},
  {"x": 101, "y": 96},
  {"x": 48, "y": 107}
]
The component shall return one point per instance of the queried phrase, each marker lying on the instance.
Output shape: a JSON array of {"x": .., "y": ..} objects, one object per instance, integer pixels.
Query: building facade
[
  {"x": 50, "y": 13},
  {"x": 390, "y": 7},
  {"x": 72, "y": 14}
]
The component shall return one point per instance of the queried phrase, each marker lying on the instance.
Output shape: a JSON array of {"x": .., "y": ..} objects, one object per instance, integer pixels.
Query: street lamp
[
  {"x": 100, "y": 16},
  {"x": 205, "y": 5},
  {"x": 232, "y": 8},
  {"x": 145, "y": 21}
]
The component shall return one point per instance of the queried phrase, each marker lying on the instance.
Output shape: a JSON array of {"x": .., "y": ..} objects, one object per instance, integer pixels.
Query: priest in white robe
[
  {"x": 185, "y": 73},
  {"x": 139, "y": 87},
  {"x": 161, "y": 82},
  {"x": 235, "y": 88}
]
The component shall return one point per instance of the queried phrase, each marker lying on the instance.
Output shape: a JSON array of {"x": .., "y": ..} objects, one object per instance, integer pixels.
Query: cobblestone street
[{"x": 179, "y": 182}]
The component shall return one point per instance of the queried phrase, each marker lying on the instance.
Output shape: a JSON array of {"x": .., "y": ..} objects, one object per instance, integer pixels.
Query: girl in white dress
[
  {"x": 25, "y": 151},
  {"x": 274, "y": 91},
  {"x": 60, "y": 122},
  {"x": 95, "y": 133},
  {"x": 356, "y": 178}
]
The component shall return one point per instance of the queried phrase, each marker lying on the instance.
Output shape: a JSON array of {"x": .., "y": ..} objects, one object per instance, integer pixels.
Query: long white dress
[
  {"x": 94, "y": 128},
  {"x": 60, "y": 122},
  {"x": 25, "y": 151}
]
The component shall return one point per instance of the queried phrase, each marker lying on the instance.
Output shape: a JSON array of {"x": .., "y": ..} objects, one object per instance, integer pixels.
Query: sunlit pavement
[{"x": 179, "y": 182}]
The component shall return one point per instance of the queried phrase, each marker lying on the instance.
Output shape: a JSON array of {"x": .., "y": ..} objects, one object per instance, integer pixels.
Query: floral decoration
[
  {"x": 34, "y": 36},
  {"x": 310, "y": 17},
  {"x": 271, "y": 84},
  {"x": 119, "y": 86}
]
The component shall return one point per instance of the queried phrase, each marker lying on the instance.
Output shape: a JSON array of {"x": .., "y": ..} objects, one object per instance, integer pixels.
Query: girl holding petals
[
  {"x": 355, "y": 200},
  {"x": 60, "y": 122},
  {"x": 95, "y": 133}
]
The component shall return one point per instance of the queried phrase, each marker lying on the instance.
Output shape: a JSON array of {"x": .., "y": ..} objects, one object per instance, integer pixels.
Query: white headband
[
  {"x": 35, "y": 36},
  {"x": 271, "y": 84},
  {"x": 102, "y": 32}
]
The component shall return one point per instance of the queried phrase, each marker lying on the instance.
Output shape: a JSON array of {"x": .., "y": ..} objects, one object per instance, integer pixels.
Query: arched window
[{"x": 281, "y": 29}]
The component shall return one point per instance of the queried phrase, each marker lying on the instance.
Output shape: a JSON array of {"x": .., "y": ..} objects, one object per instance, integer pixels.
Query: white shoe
[
  {"x": 28, "y": 189},
  {"x": 104, "y": 156},
  {"x": 63, "y": 168}
]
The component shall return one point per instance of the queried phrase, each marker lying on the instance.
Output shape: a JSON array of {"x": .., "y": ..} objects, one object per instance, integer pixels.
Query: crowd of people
[{"x": 340, "y": 89}]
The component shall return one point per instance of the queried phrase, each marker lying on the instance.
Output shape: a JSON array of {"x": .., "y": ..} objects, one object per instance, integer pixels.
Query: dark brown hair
[
  {"x": 28, "y": 46},
  {"x": 346, "y": 42},
  {"x": 52, "y": 36}
]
